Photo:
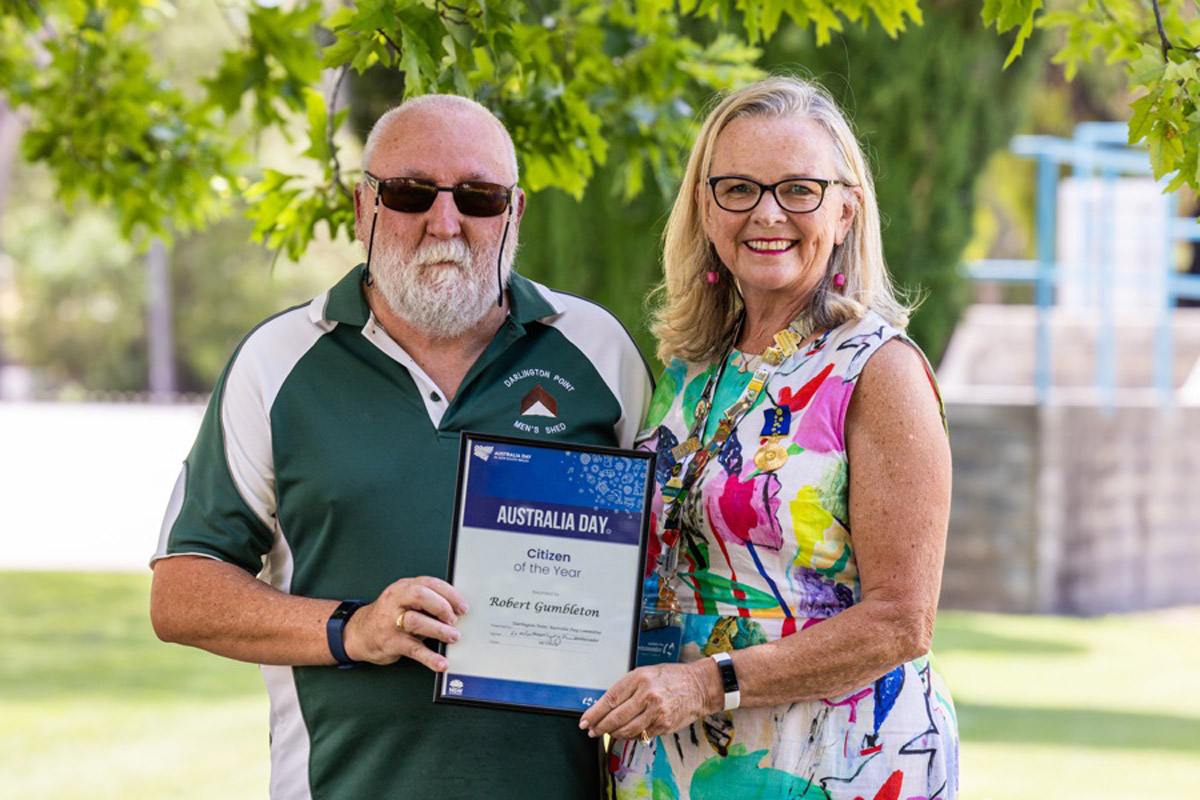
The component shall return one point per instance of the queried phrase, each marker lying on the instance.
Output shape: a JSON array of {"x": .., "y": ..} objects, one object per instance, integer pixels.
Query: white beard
[{"x": 443, "y": 288}]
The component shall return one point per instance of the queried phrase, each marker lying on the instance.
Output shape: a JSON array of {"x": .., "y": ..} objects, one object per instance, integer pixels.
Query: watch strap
[
  {"x": 335, "y": 632},
  {"x": 729, "y": 681}
]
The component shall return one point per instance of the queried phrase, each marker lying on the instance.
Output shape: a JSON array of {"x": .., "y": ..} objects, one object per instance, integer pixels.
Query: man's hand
[{"x": 401, "y": 618}]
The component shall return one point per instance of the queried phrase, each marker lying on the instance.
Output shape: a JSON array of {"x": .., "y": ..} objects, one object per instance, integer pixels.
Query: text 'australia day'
[{"x": 558, "y": 520}]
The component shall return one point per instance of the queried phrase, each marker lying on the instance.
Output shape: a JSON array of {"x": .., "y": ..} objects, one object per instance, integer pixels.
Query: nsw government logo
[{"x": 456, "y": 686}]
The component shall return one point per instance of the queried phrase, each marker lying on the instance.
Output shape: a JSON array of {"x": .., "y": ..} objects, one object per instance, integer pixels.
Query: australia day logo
[
  {"x": 544, "y": 396},
  {"x": 483, "y": 451}
]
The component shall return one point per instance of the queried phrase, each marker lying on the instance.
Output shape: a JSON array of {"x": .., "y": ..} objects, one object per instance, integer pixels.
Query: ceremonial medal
[
  {"x": 772, "y": 455},
  {"x": 685, "y": 448},
  {"x": 777, "y": 421}
]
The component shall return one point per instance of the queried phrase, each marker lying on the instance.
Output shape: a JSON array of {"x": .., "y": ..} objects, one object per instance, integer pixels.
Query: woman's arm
[{"x": 899, "y": 508}]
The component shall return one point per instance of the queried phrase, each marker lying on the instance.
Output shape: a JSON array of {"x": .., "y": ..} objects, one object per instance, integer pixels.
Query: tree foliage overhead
[
  {"x": 580, "y": 83},
  {"x": 929, "y": 107},
  {"x": 602, "y": 97},
  {"x": 1157, "y": 41}
]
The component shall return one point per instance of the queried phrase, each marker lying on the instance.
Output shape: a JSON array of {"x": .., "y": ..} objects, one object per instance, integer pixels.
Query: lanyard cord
[{"x": 677, "y": 489}]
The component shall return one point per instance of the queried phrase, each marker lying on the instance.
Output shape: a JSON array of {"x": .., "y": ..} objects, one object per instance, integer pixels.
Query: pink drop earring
[
  {"x": 839, "y": 280},
  {"x": 712, "y": 276}
]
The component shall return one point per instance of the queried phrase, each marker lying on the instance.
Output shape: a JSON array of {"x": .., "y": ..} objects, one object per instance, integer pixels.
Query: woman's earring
[
  {"x": 712, "y": 276},
  {"x": 839, "y": 280}
]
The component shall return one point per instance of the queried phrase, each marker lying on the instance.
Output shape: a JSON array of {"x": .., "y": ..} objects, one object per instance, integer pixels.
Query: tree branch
[
  {"x": 1162, "y": 33},
  {"x": 1104, "y": 9},
  {"x": 449, "y": 8},
  {"x": 388, "y": 39},
  {"x": 330, "y": 130}
]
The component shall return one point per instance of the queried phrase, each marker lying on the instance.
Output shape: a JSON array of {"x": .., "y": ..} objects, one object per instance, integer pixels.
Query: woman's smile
[{"x": 771, "y": 247}]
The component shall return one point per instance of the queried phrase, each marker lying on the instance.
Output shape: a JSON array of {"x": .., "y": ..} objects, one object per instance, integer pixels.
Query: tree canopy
[{"x": 580, "y": 83}]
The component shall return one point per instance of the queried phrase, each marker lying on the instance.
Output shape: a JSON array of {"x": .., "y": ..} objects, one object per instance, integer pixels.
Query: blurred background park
[{"x": 1058, "y": 285}]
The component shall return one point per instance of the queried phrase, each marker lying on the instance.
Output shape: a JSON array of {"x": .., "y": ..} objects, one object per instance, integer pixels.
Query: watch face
[
  {"x": 347, "y": 608},
  {"x": 729, "y": 681}
]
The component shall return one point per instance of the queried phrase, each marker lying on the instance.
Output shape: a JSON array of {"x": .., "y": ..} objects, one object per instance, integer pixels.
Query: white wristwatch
[{"x": 729, "y": 681}]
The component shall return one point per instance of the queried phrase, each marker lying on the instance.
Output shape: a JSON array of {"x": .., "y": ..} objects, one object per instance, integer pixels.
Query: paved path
[{"x": 83, "y": 486}]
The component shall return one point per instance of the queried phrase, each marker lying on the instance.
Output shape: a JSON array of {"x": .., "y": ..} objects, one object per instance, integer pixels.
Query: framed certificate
[{"x": 548, "y": 547}]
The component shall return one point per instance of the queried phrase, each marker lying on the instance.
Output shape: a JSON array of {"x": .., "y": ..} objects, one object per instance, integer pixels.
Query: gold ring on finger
[
  {"x": 645, "y": 738},
  {"x": 400, "y": 621}
]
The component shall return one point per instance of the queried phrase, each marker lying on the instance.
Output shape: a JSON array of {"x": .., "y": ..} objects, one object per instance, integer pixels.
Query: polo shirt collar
[
  {"x": 346, "y": 303},
  {"x": 528, "y": 302}
]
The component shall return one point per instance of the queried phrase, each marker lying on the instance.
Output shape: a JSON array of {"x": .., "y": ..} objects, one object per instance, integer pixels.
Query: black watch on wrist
[{"x": 335, "y": 631}]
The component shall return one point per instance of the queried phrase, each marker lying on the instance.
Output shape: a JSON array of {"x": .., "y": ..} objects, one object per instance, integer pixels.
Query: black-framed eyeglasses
[
  {"x": 798, "y": 195},
  {"x": 416, "y": 195}
]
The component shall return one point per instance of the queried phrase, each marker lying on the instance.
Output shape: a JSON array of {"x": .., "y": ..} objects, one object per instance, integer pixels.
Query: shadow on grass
[
  {"x": 1078, "y": 727},
  {"x": 88, "y": 636},
  {"x": 955, "y": 633}
]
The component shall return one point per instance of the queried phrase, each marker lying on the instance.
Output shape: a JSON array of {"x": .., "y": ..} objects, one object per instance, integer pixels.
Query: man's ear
[{"x": 519, "y": 202}]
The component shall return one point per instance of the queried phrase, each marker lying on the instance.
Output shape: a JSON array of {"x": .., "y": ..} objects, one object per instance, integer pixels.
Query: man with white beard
[{"x": 325, "y": 466}]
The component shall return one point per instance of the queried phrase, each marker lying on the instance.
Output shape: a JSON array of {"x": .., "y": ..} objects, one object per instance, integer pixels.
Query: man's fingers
[
  {"x": 452, "y": 596},
  {"x": 422, "y": 626},
  {"x": 420, "y": 653},
  {"x": 424, "y": 597},
  {"x": 425, "y": 600}
]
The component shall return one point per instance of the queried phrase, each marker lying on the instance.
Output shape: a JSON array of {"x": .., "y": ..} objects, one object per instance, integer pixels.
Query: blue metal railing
[{"x": 1097, "y": 150}]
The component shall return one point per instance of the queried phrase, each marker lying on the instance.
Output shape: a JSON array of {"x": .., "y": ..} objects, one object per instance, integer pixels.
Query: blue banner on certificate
[{"x": 548, "y": 548}]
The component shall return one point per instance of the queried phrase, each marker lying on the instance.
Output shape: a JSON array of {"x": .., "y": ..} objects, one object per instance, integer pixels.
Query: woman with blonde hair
[{"x": 803, "y": 486}]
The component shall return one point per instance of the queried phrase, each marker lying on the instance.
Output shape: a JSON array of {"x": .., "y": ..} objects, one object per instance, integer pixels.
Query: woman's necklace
[
  {"x": 691, "y": 458},
  {"x": 749, "y": 362}
]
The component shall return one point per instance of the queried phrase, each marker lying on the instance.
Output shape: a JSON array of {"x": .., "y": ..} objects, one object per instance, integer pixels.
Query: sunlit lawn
[
  {"x": 93, "y": 706},
  {"x": 1051, "y": 707}
]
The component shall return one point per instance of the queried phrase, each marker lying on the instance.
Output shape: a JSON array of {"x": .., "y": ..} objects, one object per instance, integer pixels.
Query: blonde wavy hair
[{"x": 694, "y": 320}]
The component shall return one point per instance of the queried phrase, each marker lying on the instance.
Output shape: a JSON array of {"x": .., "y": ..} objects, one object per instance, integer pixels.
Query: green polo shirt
[{"x": 326, "y": 464}]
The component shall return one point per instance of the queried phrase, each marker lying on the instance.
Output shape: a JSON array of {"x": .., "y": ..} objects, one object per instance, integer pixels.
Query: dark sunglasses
[{"x": 415, "y": 195}]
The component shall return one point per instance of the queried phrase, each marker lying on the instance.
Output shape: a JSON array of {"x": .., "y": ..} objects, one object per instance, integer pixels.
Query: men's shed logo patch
[
  {"x": 546, "y": 397},
  {"x": 539, "y": 403}
]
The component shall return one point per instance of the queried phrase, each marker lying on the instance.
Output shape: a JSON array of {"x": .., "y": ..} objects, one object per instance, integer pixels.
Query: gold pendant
[{"x": 772, "y": 455}]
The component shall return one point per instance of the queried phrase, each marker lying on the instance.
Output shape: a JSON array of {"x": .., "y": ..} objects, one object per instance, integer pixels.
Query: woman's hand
[{"x": 652, "y": 701}]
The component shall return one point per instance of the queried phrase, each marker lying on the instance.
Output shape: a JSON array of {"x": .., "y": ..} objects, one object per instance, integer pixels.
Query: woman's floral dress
[{"x": 775, "y": 555}]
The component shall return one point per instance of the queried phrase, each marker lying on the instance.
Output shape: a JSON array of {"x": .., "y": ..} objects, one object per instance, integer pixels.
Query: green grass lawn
[
  {"x": 1053, "y": 707},
  {"x": 93, "y": 706}
]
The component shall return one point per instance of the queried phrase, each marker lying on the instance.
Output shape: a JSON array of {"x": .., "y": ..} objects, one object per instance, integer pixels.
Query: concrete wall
[
  {"x": 1073, "y": 509},
  {"x": 991, "y": 555}
]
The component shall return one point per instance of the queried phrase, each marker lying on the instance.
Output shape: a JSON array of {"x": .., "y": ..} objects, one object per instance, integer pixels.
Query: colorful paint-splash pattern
[{"x": 774, "y": 554}]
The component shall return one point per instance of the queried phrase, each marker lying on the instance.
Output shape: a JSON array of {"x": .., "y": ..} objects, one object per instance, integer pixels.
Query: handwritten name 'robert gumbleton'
[
  {"x": 570, "y": 609},
  {"x": 560, "y": 520}
]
